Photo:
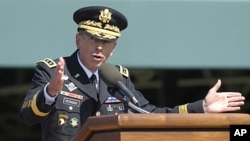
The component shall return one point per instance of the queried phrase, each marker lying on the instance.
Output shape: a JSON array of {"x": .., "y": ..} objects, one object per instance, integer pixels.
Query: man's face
[{"x": 93, "y": 52}]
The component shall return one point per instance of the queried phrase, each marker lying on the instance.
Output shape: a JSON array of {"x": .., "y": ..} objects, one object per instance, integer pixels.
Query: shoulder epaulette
[
  {"x": 123, "y": 71},
  {"x": 49, "y": 62}
]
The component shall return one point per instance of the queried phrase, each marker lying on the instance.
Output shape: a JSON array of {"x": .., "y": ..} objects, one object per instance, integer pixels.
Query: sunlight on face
[{"x": 93, "y": 52}]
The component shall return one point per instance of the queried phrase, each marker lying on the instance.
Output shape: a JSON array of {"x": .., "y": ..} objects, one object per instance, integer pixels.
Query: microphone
[
  {"x": 113, "y": 78},
  {"x": 119, "y": 95}
]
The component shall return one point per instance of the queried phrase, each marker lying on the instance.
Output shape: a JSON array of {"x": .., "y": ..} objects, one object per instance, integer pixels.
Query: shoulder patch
[
  {"x": 49, "y": 62},
  {"x": 123, "y": 71}
]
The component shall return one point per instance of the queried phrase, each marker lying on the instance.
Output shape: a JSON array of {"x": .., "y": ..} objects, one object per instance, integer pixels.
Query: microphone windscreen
[{"x": 109, "y": 74}]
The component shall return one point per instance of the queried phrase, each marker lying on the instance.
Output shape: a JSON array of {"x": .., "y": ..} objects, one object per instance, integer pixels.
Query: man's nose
[{"x": 99, "y": 42}]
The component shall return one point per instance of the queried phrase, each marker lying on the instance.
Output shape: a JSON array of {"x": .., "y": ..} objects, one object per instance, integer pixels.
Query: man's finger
[{"x": 216, "y": 86}]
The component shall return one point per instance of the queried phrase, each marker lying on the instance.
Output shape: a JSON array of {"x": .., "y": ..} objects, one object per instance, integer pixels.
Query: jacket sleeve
[
  {"x": 34, "y": 109},
  {"x": 194, "y": 107}
]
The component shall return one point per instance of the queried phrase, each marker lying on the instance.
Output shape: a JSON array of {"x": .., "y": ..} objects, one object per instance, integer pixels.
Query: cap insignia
[
  {"x": 101, "y": 27},
  {"x": 105, "y": 16}
]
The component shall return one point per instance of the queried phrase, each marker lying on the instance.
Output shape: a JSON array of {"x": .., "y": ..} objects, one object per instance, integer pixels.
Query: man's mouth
[{"x": 97, "y": 57}]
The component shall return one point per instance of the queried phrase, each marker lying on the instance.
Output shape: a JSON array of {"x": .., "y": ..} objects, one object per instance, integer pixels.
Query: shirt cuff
[{"x": 48, "y": 99}]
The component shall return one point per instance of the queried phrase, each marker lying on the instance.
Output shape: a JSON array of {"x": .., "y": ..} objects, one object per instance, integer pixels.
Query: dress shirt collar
[{"x": 88, "y": 72}]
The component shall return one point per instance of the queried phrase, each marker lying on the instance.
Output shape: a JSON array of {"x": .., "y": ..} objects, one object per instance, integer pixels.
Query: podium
[{"x": 160, "y": 127}]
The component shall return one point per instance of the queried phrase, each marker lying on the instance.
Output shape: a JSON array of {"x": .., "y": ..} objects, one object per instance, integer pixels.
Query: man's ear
[
  {"x": 78, "y": 40},
  {"x": 113, "y": 49},
  {"x": 112, "y": 52}
]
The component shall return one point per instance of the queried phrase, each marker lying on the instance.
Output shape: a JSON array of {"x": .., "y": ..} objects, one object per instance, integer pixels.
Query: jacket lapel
[
  {"x": 78, "y": 76},
  {"x": 103, "y": 91}
]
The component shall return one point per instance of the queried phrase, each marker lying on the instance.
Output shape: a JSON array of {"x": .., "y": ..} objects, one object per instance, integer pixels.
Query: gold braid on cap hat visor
[{"x": 95, "y": 28}]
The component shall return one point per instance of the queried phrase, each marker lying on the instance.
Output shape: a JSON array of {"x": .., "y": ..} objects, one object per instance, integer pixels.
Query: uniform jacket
[{"x": 79, "y": 100}]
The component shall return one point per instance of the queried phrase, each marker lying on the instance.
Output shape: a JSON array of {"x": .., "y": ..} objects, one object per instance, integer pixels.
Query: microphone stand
[
  {"x": 129, "y": 103},
  {"x": 140, "y": 110},
  {"x": 119, "y": 95}
]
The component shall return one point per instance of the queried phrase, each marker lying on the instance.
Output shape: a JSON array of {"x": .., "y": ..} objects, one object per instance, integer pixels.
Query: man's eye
[{"x": 92, "y": 38}]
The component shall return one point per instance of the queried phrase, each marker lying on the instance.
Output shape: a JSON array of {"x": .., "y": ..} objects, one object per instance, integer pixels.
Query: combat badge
[{"x": 71, "y": 86}]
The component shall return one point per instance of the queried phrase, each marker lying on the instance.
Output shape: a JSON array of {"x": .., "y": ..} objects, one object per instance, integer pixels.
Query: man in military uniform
[{"x": 65, "y": 94}]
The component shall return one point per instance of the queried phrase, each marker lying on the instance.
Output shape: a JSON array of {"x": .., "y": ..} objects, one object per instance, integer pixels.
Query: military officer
[{"x": 64, "y": 94}]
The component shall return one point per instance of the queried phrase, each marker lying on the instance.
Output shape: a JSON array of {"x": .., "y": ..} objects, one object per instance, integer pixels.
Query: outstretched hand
[{"x": 217, "y": 102}]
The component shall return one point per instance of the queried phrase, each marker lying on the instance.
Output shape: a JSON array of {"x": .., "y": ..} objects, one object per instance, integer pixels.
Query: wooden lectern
[{"x": 160, "y": 127}]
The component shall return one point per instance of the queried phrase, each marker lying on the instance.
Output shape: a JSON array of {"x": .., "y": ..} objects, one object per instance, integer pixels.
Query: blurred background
[{"x": 175, "y": 50}]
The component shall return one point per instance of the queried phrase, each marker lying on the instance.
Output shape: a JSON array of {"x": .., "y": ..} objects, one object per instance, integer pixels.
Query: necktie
[{"x": 93, "y": 80}]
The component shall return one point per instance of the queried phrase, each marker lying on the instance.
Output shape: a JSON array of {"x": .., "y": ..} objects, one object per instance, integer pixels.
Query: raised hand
[
  {"x": 216, "y": 102},
  {"x": 56, "y": 82}
]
